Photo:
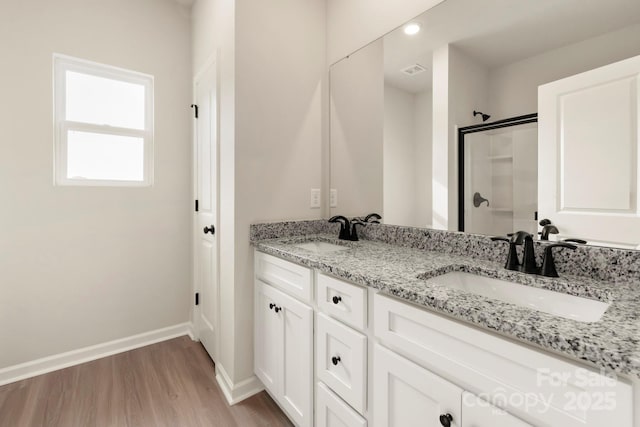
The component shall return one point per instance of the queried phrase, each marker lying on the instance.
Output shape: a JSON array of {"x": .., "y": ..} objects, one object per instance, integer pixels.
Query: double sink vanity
[{"x": 414, "y": 326}]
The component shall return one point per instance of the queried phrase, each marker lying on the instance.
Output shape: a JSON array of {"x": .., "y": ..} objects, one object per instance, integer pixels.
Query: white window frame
[{"x": 62, "y": 64}]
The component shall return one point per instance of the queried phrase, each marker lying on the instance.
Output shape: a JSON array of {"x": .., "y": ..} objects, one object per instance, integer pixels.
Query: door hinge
[
  {"x": 197, "y": 298},
  {"x": 196, "y": 206},
  {"x": 195, "y": 107}
]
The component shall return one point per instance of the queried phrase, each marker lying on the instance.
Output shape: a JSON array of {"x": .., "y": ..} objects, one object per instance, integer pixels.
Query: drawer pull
[
  {"x": 445, "y": 420},
  {"x": 336, "y": 299},
  {"x": 335, "y": 360},
  {"x": 272, "y": 306}
]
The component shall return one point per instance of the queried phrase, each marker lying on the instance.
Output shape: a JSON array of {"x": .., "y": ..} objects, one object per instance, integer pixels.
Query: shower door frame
[{"x": 512, "y": 121}]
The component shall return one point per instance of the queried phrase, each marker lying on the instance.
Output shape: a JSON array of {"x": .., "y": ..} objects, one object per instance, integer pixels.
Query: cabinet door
[
  {"x": 342, "y": 361},
  {"x": 407, "y": 395},
  {"x": 268, "y": 338},
  {"x": 588, "y": 154},
  {"x": 331, "y": 411},
  {"x": 297, "y": 360},
  {"x": 479, "y": 413}
]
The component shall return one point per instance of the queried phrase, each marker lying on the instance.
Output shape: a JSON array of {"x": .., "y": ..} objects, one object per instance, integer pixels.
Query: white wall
[
  {"x": 273, "y": 96},
  {"x": 459, "y": 88},
  {"x": 513, "y": 88},
  {"x": 281, "y": 90},
  {"x": 84, "y": 265},
  {"x": 357, "y": 118},
  {"x": 398, "y": 158},
  {"x": 354, "y": 23},
  {"x": 423, "y": 115},
  {"x": 407, "y": 157}
]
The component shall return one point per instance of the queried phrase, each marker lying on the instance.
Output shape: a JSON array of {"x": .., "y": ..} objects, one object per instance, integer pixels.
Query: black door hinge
[
  {"x": 195, "y": 107},
  {"x": 197, "y": 298},
  {"x": 196, "y": 206}
]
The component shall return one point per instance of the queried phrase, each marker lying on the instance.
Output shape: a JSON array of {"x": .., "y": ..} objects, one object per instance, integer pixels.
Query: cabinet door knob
[
  {"x": 336, "y": 299},
  {"x": 210, "y": 229},
  {"x": 335, "y": 360},
  {"x": 271, "y": 305},
  {"x": 446, "y": 419},
  {"x": 277, "y": 309}
]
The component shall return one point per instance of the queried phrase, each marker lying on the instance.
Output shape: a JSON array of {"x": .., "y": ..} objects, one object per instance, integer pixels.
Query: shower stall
[{"x": 498, "y": 178}]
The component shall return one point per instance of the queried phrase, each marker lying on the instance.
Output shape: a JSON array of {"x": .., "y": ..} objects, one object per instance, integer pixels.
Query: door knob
[
  {"x": 335, "y": 360},
  {"x": 337, "y": 299},
  {"x": 210, "y": 229},
  {"x": 446, "y": 419}
]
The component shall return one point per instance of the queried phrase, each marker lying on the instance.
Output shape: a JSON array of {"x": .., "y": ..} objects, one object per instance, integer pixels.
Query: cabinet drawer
[
  {"x": 291, "y": 278},
  {"x": 343, "y": 301},
  {"x": 341, "y": 360},
  {"x": 500, "y": 369},
  {"x": 331, "y": 411}
]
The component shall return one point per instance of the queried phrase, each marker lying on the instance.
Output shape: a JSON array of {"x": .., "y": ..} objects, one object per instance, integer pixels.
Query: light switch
[
  {"x": 333, "y": 198},
  {"x": 315, "y": 198}
]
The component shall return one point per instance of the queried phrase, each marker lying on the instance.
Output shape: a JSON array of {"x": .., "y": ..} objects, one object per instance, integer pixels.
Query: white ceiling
[{"x": 500, "y": 32}]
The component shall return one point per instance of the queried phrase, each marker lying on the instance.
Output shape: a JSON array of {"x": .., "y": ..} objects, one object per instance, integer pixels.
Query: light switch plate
[
  {"x": 315, "y": 198},
  {"x": 333, "y": 198}
]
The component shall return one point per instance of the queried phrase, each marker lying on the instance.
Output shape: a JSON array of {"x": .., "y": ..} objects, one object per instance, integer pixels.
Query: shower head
[{"x": 485, "y": 117}]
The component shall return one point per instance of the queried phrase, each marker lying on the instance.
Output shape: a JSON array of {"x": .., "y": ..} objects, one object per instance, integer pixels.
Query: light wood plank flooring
[{"x": 171, "y": 384}]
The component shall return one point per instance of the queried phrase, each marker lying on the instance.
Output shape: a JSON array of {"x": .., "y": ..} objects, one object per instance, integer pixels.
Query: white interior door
[
  {"x": 588, "y": 154},
  {"x": 206, "y": 183}
]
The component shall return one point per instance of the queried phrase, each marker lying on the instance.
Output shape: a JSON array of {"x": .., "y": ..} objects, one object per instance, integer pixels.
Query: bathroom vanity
[{"x": 366, "y": 334}]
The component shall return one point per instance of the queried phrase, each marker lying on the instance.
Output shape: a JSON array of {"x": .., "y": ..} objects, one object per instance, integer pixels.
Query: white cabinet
[
  {"x": 479, "y": 413},
  {"x": 331, "y": 411},
  {"x": 341, "y": 360},
  {"x": 406, "y": 394},
  {"x": 284, "y": 351}
]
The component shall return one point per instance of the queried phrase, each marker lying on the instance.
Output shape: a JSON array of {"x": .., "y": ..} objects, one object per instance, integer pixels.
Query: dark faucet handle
[
  {"x": 345, "y": 231},
  {"x": 501, "y": 239},
  {"x": 376, "y": 218},
  {"x": 574, "y": 240},
  {"x": 548, "y": 264},
  {"x": 544, "y": 222}
]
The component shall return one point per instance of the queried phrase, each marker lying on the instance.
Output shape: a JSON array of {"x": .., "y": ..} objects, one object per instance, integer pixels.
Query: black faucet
[
  {"x": 345, "y": 228},
  {"x": 376, "y": 218},
  {"x": 528, "y": 264},
  {"x": 512, "y": 258},
  {"x": 548, "y": 265},
  {"x": 354, "y": 229}
]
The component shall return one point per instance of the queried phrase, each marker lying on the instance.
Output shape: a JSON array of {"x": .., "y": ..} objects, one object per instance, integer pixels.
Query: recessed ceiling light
[{"x": 411, "y": 29}]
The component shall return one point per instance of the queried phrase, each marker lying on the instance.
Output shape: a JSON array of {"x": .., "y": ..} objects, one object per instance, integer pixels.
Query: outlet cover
[
  {"x": 315, "y": 198},
  {"x": 333, "y": 198}
]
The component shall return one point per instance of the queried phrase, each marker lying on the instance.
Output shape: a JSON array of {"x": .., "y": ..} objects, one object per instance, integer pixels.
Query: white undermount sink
[
  {"x": 556, "y": 303},
  {"x": 321, "y": 247}
]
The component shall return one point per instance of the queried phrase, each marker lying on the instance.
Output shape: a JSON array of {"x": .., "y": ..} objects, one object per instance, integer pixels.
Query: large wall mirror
[{"x": 397, "y": 106}]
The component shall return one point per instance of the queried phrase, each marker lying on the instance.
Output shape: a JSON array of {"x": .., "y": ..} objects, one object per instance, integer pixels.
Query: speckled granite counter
[{"x": 613, "y": 343}]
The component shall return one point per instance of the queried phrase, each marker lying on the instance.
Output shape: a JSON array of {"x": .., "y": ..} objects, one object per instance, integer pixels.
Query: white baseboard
[
  {"x": 237, "y": 392},
  {"x": 75, "y": 357}
]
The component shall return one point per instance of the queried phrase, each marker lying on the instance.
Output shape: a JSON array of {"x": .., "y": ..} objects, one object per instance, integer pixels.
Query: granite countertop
[{"x": 612, "y": 343}]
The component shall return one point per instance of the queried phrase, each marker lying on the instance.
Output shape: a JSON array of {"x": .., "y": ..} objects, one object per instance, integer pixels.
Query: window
[{"x": 103, "y": 124}]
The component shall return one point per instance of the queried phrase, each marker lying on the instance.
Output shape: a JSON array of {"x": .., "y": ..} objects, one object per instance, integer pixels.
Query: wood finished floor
[{"x": 171, "y": 383}]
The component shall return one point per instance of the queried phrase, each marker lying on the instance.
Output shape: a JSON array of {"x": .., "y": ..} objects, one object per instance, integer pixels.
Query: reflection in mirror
[
  {"x": 498, "y": 164},
  {"x": 396, "y": 105}
]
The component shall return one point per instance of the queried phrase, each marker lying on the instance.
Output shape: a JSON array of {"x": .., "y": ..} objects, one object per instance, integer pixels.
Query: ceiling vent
[{"x": 414, "y": 69}]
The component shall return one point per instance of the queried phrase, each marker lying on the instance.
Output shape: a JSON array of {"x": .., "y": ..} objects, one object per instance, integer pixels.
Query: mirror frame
[{"x": 512, "y": 121}]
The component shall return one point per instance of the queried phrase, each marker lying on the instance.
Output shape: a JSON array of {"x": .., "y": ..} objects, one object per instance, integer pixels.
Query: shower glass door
[{"x": 498, "y": 180}]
